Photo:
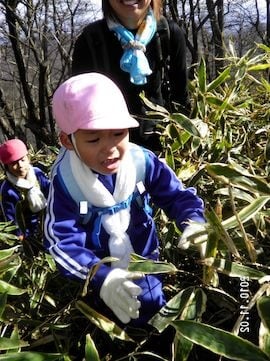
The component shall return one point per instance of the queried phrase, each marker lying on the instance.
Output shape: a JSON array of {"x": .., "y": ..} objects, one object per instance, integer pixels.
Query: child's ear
[{"x": 66, "y": 141}]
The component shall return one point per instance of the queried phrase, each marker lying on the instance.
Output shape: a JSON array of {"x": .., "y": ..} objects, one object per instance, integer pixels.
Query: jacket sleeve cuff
[{"x": 99, "y": 277}]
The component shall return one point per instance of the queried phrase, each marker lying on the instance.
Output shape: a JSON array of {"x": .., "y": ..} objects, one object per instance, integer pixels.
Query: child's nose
[{"x": 109, "y": 146}]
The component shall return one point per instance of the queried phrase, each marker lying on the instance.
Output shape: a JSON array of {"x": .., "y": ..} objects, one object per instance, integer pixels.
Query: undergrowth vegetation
[{"x": 220, "y": 306}]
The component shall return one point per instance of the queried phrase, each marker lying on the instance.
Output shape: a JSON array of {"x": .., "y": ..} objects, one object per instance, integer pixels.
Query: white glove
[
  {"x": 120, "y": 294},
  {"x": 189, "y": 233}
]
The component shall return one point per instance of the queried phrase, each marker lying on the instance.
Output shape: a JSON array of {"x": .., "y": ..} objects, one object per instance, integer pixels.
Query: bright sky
[{"x": 261, "y": 3}]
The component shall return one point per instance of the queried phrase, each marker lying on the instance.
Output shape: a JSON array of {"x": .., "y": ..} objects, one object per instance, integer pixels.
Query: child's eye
[
  {"x": 95, "y": 140},
  {"x": 119, "y": 133}
]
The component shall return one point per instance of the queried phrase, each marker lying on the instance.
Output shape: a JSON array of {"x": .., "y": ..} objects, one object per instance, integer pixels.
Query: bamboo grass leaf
[
  {"x": 148, "y": 266},
  {"x": 263, "y": 306},
  {"x": 229, "y": 174},
  {"x": 237, "y": 194},
  {"x": 259, "y": 67},
  {"x": 202, "y": 76},
  {"x": 91, "y": 353},
  {"x": 11, "y": 290},
  {"x": 233, "y": 269},
  {"x": 157, "y": 108},
  {"x": 8, "y": 263},
  {"x": 221, "y": 232},
  {"x": 6, "y": 253},
  {"x": 3, "y": 302},
  {"x": 187, "y": 124},
  {"x": 31, "y": 356},
  {"x": 9, "y": 344},
  {"x": 217, "y": 102},
  {"x": 182, "y": 347},
  {"x": 263, "y": 47},
  {"x": 169, "y": 157},
  {"x": 101, "y": 321},
  {"x": 172, "y": 309},
  {"x": 220, "y": 342},
  {"x": 219, "y": 80},
  {"x": 264, "y": 339},
  {"x": 246, "y": 213}
]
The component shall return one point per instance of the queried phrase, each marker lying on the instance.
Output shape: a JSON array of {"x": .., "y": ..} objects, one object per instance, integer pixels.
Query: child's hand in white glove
[
  {"x": 190, "y": 233},
  {"x": 120, "y": 294}
]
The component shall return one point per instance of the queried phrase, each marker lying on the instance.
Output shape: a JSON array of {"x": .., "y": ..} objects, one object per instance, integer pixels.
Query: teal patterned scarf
[{"x": 133, "y": 60}]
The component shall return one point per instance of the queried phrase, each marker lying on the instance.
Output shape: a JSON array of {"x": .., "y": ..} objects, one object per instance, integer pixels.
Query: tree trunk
[{"x": 217, "y": 24}]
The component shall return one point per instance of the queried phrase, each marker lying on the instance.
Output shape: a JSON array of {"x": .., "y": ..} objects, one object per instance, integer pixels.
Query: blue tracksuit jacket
[{"x": 68, "y": 235}]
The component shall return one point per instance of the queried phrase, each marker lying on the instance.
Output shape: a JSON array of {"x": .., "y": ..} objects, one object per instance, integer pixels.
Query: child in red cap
[{"x": 24, "y": 190}]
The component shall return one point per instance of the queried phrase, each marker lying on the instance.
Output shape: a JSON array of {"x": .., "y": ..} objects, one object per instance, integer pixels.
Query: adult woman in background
[{"x": 139, "y": 50}]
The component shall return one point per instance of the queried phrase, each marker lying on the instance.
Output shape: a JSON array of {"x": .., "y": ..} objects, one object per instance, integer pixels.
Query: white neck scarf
[
  {"x": 97, "y": 195},
  {"x": 35, "y": 197}
]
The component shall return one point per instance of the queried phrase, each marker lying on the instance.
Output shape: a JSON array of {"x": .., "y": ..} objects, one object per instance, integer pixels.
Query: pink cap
[
  {"x": 90, "y": 101},
  {"x": 12, "y": 150}
]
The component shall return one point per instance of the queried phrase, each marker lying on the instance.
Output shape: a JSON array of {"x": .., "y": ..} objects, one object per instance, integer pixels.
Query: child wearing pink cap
[
  {"x": 24, "y": 190},
  {"x": 98, "y": 204}
]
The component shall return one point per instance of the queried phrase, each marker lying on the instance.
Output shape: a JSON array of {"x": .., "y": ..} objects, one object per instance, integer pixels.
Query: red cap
[{"x": 12, "y": 150}]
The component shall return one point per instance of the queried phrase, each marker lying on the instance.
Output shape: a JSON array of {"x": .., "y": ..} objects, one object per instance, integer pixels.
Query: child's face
[
  {"x": 102, "y": 150},
  {"x": 19, "y": 168}
]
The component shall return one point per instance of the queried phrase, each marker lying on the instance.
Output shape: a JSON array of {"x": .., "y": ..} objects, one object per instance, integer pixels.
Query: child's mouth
[{"x": 111, "y": 163}]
